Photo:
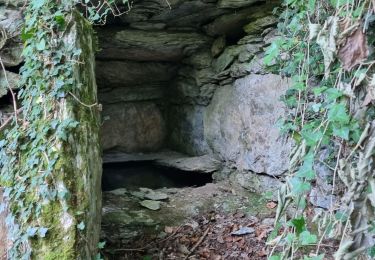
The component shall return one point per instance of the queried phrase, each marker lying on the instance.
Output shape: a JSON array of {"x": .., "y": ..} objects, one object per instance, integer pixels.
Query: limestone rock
[
  {"x": 130, "y": 94},
  {"x": 259, "y": 25},
  {"x": 130, "y": 73},
  {"x": 189, "y": 14},
  {"x": 11, "y": 78},
  {"x": 133, "y": 127},
  {"x": 228, "y": 23},
  {"x": 240, "y": 124},
  {"x": 148, "y": 46},
  {"x": 153, "y": 195},
  {"x": 10, "y": 44},
  {"x": 199, "y": 60},
  {"x": 148, "y": 26},
  {"x": 205, "y": 163},
  {"x": 236, "y": 3},
  {"x": 231, "y": 24},
  {"x": 186, "y": 129},
  {"x": 321, "y": 199},
  {"x": 12, "y": 2},
  {"x": 218, "y": 46},
  {"x": 226, "y": 59},
  {"x": 259, "y": 184},
  {"x": 151, "y": 204}
]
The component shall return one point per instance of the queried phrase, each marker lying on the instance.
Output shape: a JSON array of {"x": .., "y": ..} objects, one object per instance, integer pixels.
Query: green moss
[{"x": 57, "y": 244}]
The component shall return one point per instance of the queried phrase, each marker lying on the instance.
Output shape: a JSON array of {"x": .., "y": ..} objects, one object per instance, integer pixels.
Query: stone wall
[
  {"x": 79, "y": 167},
  {"x": 191, "y": 79}
]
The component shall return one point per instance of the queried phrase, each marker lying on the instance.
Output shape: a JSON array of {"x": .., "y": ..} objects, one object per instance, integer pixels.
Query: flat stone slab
[{"x": 205, "y": 163}]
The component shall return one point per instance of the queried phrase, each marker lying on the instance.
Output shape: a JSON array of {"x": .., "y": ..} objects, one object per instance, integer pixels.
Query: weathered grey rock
[
  {"x": 248, "y": 51},
  {"x": 153, "y": 195},
  {"x": 228, "y": 23},
  {"x": 240, "y": 124},
  {"x": 189, "y": 14},
  {"x": 10, "y": 81},
  {"x": 226, "y": 59},
  {"x": 322, "y": 199},
  {"x": 231, "y": 24},
  {"x": 131, "y": 94},
  {"x": 192, "y": 86},
  {"x": 186, "y": 129},
  {"x": 237, "y": 3},
  {"x": 133, "y": 127},
  {"x": 130, "y": 73},
  {"x": 259, "y": 25},
  {"x": 218, "y": 46},
  {"x": 148, "y": 26},
  {"x": 12, "y": 2},
  {"x": 251, "y": 39},
  {"x": 150, "y": 204},
  {"x": 205, "y": 163},
  {"x": 143, "y": 10},
  {"x": 259, "y": 184},
  {"x": 11, "y": 21},
  {"x": 199, "y": 60},
  {"x": 148, "y": 46}
]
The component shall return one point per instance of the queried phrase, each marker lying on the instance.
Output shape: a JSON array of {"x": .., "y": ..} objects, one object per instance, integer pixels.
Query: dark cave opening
[{"x": 147, "y": 174}]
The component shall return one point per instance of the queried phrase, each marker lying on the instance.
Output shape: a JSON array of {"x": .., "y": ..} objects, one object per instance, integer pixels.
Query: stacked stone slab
[{"x": 190, "y": 78}]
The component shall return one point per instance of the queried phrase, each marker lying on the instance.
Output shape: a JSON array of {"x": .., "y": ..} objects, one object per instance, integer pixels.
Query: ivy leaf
[
  {"x": 312, "y": 5},
  {"x": 275, "y": 257},
  {"x": 307, "y": 238},
  {"x": 271, "y": 53},
  {"x": 31, "y": 231},
  {"x": 101, "y": 245},
  {"x": 306, "y": 170},
  {"x": 81, "y": 226},
  {"x": 38, "y": 3},
  {"x": 41, "y": 45},
  {"x": 26, "y": 35},
  {"x": 42, "y": 231},
  {"x": 60, "y": 20},
  {"x": 299, "y": 187},
  {"x": 299, "y": 224},
  {"x": 311, "y": 137},
  {"x": 337, "y": 113},
  {"x": 341, "y": 131},
  {"x": 332, "y": 94}
]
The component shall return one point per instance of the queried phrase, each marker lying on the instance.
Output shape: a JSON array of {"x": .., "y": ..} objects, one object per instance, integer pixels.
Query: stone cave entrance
[{"x": 185, "y": 96}]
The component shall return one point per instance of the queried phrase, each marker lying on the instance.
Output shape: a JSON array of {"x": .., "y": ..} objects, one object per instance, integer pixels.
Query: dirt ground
[{"x": 213, "y": 222}]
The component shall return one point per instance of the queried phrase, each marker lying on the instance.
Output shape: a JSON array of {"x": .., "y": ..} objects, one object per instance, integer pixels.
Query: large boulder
[
  {"x": 133, "y": 127},
  {"x": 240, "y": 124}
]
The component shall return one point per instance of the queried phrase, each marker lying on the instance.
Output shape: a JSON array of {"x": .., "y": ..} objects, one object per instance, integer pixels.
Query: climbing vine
[
  {"x": 324, "y": 49},
  {"x": 30, "y": 165}
]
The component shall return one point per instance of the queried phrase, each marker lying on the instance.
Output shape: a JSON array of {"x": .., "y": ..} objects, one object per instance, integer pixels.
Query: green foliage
[{"x": 322, "y": 101}]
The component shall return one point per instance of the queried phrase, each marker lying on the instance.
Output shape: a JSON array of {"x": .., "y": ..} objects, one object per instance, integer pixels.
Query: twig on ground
[{"x": 198, "y": 243}]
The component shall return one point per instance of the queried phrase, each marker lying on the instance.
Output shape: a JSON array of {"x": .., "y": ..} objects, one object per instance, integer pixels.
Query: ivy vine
[
  {"x": 324, "y": 50},
  {"x": 29, "y": 146}
]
